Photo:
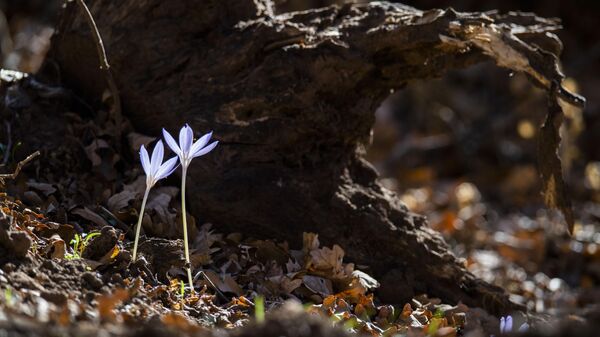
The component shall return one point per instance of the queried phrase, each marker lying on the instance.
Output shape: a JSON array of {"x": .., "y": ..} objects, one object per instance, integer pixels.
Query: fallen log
[{"x": 291, "y": 98}]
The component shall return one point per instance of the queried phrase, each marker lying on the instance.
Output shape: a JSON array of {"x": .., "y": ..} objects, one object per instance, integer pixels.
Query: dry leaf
[
  {"x": 227, "y": 285},
  {"x": 56, "y": 247},
  {"x": 108, "y": 302},
  {"x": 179, "y": 322},
  {"x": 45, "y": 188},
  {"x": 328, "y": 260},
  {"x": 90, "y": 151},
  {"x": 310, "y": 241},
  {"x": 120, "y": 200},
  {"x": 318, "y": 285},
  {"x": 136, "y": 140},
  {"x": 90, "y": 215}
]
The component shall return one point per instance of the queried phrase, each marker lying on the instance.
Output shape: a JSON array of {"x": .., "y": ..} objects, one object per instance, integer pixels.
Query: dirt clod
[
  {"x": 91, "y": 280},
  {"x": 101, "y": 245}
]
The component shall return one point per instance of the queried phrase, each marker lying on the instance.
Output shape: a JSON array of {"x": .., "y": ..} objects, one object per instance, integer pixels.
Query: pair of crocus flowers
[
  {"x": 156, "y": 170},
  {"x": 506, "y": 325}
]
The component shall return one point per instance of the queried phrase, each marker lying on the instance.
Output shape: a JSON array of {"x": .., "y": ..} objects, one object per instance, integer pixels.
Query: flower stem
[
  {"x": 139, "y": 224},
  {"x": 185, "y": 235}
]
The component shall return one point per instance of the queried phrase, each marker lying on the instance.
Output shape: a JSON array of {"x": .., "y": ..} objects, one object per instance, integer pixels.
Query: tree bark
[{"x": 291, "y": 98}]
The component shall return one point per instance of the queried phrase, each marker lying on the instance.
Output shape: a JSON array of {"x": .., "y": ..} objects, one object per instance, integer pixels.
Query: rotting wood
[{"x": 292, "y": 97}]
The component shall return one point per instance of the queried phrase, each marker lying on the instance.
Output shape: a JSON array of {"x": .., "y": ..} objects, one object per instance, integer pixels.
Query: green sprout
[
  {"x": 79, "y": 243},
  {"x": 259, "y": 309},
  {"x": 8, "y": 296}
]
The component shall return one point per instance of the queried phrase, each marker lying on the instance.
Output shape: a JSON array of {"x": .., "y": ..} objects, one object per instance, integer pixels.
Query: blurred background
[{"x": 462, "y": 151}]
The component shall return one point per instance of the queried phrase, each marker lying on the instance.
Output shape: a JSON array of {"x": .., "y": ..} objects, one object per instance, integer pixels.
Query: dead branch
[{"x": 20, "y": 165}]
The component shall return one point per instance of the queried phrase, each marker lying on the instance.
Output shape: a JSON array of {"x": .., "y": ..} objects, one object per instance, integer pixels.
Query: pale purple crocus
[
  {"x": 506, "y": 325},
  {"x": 187, "y": 150},
  {"x": 155, "y": 170}
]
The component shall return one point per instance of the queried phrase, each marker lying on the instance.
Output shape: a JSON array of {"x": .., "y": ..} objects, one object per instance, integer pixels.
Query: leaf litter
[
  {"x": 102, "y": 287},
  {"x": 67, "y": 253}
]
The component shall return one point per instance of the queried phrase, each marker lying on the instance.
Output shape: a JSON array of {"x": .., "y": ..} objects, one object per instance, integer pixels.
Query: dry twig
[
  {"x": 105, "y": 66},
  {"x": 19, "y": 167}
]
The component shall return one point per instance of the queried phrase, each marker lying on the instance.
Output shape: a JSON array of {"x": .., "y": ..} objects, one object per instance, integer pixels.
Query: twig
[
  {"x": 19, "y": 167},
  {"x": 112, "y": 85},
  {"x": 8, "y": 143},
  {"x": 210, "y": 282}
]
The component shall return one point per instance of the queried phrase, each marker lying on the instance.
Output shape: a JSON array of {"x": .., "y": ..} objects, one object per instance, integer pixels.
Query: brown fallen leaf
[
  {"x": 136, "y": 140},
  {"x": 90, "y": 215},
  {"x": 179, "y": 322},
  {"x": 90, "y": 151},
  {"x": 108, "y": 302},
  {"x": 45, "y": 188},
  {"x": 56, "y": 248},
  {"x": 120, "y": 200},
  {"x": 318, "y": 285},
  {"x": 226, "y": 285},
  {"x": 329, "y": 261}
]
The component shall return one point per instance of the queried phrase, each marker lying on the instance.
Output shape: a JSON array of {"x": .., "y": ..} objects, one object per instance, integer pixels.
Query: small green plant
[
  {"x": 434, "y": 326},
  {"x": 351, "y": 324},
  {"x": 8, "y": 296},
  {"x": 259, "y": 309},
  {"x": 181, "y": 288},
  {"x": 78, "y": 244}
]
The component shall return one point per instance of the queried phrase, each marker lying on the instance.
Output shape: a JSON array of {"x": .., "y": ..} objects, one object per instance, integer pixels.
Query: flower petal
[
  {"x": 167, "y": 168},
  {"x": 502, "y": 324},
  {"x": 524, "y": 327},
  {"x": 145, "y": 160},
  {"x": 509, "y": 324},
  {"x": 157, "y": 156},
  {"x": 186, "y": 137},
  {"x": 171, "y": 142},
  {"x": 200, "y": 143},
  {"x": 206, "y": 150}
]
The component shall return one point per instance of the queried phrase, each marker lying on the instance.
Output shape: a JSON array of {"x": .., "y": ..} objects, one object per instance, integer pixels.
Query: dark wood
[{"x": 292, "y": 99}]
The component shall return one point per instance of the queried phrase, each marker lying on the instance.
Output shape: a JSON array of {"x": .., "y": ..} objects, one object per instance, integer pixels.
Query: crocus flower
[
  {"x": 506, "y": 325},
  {"x": 187, "y": 150},
  {"x": 155, "y": 170}
]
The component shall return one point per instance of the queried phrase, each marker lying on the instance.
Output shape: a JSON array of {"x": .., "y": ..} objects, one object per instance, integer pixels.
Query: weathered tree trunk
[{"x": 292, "y": 100}]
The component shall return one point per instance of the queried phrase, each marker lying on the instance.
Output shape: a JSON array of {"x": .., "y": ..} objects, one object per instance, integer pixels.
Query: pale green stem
[
  {"x": 185, "y": 235},
  {"x": 139, "y": 224}
]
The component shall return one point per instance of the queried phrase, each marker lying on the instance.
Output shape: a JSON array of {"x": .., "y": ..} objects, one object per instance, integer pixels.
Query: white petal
[
  {"x": 145, "y": 160},
  {"x": 206, "y": 150},
  {"x": 171, "y": 142},
  {"x": 200, "y": 143},
  {"x": 509, "y": 324},
  {"x": 167, "y": 168},
  {"x": 502, "y": 324},
  {"x": 157, "y": 157},
  {"x": 186, "y": 136}
]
